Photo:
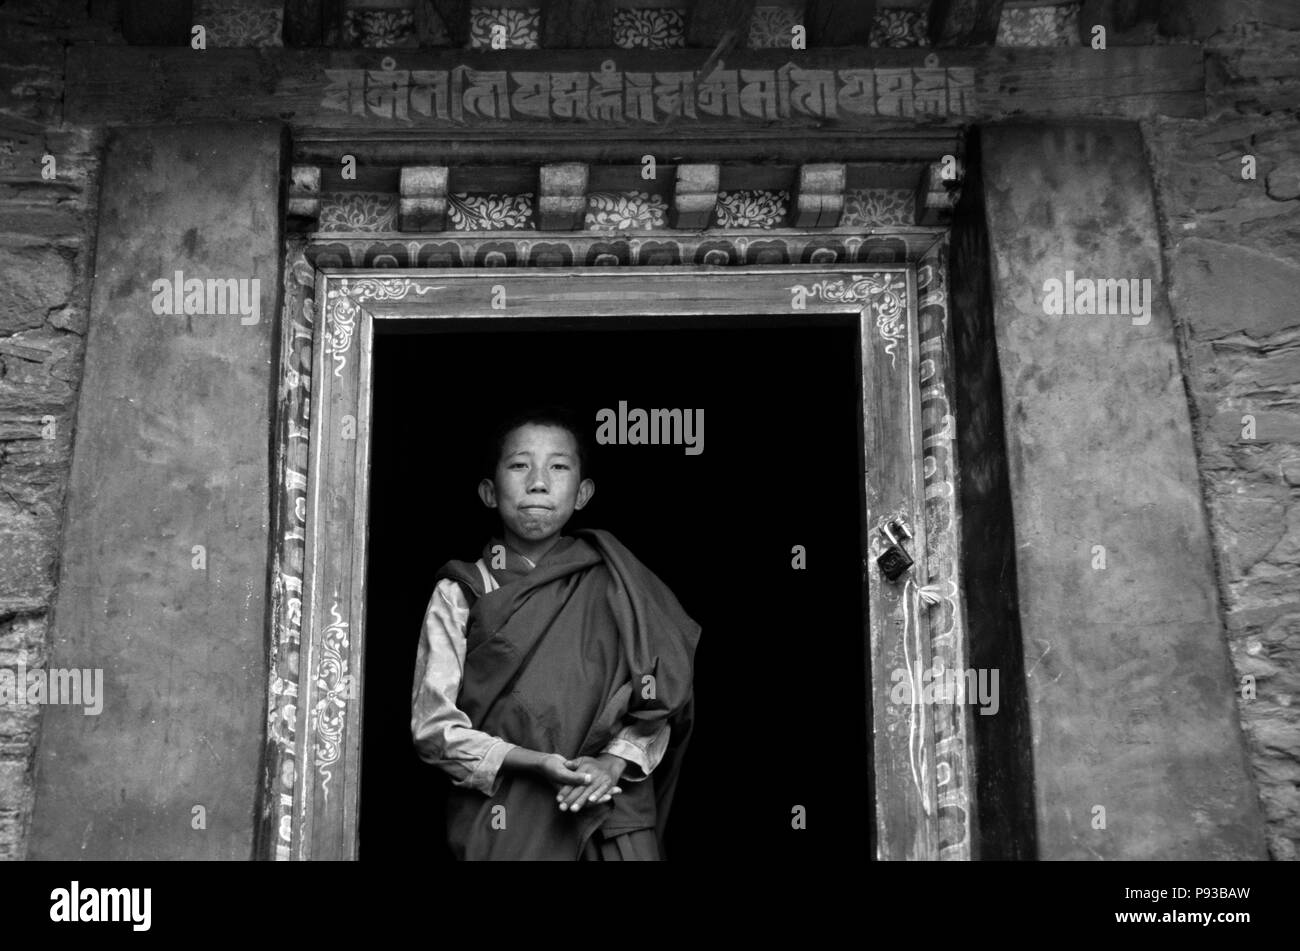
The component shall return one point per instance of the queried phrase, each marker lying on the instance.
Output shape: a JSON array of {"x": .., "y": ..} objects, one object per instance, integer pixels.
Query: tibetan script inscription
[{"x": 466, "y": 96}]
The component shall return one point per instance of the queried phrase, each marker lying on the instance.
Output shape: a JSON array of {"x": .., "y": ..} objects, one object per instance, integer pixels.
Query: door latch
[{"x": 894, "y": 560}]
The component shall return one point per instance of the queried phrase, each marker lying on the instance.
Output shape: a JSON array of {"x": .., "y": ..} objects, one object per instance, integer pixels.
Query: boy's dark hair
[{"x": 555, "y": 415}]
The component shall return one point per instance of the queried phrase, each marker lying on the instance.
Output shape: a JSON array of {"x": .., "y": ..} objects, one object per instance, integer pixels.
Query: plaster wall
[
  {"x": 164, "y": 569},
  {"x": 1130, "y": 692}
]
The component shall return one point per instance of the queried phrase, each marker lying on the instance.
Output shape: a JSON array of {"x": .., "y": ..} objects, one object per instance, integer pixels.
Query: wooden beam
[
  {"x": 157, "y": 22},
  {"x": 423, "y": 202},
  {"x": 710, "y": 19},
  {"x": 937, "y": 193},
  {"x": 695, "y": 196},
  {"x": 343, "y": 91},
  {"x": 304, "y": 196},
  {"x": 964, "y": 22},
  {"x": 577, "y": 24},
  {"x": 562, "y": 196},
  {"x": 819, "y": 196},
  {"x": 915, "y": 147},
  {"x": 839, "y": 22}
]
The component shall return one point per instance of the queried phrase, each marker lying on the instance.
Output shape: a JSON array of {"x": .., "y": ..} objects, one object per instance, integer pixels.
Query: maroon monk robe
[{"x": 558, "y": 659}]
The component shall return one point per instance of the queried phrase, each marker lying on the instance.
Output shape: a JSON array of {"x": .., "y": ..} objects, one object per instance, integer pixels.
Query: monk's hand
[
  {"x": 563, "y": 772},
  {"x": 605, "y": 771}
]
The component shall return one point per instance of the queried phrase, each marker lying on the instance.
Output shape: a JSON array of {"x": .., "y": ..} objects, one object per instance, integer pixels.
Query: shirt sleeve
[
  {"x": 642, "y": 745},
  {"x": 442, "y": 732}
]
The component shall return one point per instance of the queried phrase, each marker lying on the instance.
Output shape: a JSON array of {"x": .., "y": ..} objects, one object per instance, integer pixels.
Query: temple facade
[{"x": 1059, "y": 236}]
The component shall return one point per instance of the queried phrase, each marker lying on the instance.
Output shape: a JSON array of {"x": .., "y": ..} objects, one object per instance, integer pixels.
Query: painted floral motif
[
  {"x": 658, "y": 28},
  {"x": 1039, "y": 26},
  {"x": 382, "y": 29},
  {"x": 329, "y": 716},
  {"x": 489, "y": 212},
  {"x": 769, "y": 27},
  {"x": 343, "y": 309},
  {"x": 874, "y": 207},
  {"x": 757, "y": 208},
  {"x": 897, "y": 27},
  {"x": 240, "y": 23},
  {"x": 520, "y": 29},
  {"x": 358, "y": 211},
  {"x": 885, "y": 294},
  {"x": 633, "y": 249},
  {"x": 625, "y": 211}
]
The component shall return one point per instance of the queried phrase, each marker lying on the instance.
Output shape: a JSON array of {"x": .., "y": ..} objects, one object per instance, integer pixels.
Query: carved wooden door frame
[{"x": 309, "y": 800}]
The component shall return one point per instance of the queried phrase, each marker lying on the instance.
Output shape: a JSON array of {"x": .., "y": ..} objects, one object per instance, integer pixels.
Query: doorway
[{"x": 782, "y": 714}]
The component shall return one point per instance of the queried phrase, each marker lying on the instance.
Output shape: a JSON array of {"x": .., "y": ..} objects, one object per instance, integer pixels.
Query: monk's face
[{"x": 537, "y": 486}]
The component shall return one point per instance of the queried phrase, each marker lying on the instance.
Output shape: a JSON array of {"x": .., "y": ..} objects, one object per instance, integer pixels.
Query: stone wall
[
  {"x": 47, "y": 229},
  {"x": 1232, "y": 263}
]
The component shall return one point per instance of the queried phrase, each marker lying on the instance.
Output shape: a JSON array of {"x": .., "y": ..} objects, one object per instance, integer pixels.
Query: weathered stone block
[
  {"x": 1220, "y": 289},
  {"x": 27, "y": 560},
  {"x": 1253, "y": 527},
  {"x": 32, "y": 283},
  {"x": 1287, "y": 549},
  {"x": 1284, "y": 181},
  {"x": 1271, "y": 425}
]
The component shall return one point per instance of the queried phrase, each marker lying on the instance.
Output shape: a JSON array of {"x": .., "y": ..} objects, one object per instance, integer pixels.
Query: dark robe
[{"x": 558, "y": 659}]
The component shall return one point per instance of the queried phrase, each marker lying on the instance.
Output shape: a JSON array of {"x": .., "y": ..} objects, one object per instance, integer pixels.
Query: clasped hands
[{"x": 585, "y": 780}]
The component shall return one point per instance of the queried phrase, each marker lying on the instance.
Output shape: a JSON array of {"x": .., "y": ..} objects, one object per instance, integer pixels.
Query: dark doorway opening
[{"x": 781, "y": 671}]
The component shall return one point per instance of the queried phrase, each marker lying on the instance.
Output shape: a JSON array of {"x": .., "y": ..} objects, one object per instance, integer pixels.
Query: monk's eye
[{"x": 561, "y": 465}]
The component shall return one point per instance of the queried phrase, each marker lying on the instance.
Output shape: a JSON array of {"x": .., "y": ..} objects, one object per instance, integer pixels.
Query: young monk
[{"x": 553, "y": 676}]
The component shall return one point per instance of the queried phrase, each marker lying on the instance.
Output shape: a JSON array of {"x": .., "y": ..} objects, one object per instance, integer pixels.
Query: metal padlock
[{"x": 893, "y": 561}]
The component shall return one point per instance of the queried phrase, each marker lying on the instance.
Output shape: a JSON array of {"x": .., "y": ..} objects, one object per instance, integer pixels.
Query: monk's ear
[
  {"x": 487, "y": 491},
  {"x": 586, "y": 489}
]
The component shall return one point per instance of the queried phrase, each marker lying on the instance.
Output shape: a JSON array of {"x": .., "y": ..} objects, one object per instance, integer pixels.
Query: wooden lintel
[
  {"x": 695, "y": 196},
  {"x": 562, "y": 196},
  {"x": 819, "y": 195},
  {"x": 422, "y": 205},
  {"x": 840, "y": 22},
  {"x": 876, "y": 90},
  {"x": 964, "y": 22},
  {"x": 910, "y": 146}
]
